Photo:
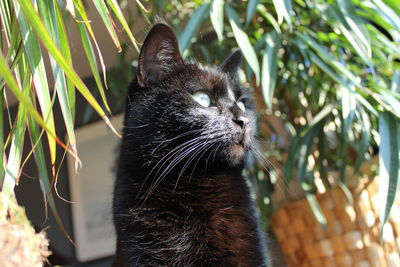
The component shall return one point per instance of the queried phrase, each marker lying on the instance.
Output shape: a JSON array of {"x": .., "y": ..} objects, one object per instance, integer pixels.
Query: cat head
[{"x": 183, "y": 112}]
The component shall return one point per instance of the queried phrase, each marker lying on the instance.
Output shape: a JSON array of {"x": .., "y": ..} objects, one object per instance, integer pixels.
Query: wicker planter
[
  {"x": 20, "y": 246},
  {"x": 352, "y": 236}
]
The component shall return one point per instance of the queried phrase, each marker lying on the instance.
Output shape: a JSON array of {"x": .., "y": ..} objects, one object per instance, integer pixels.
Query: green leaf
[
  {"x": 393, "y": 4},
  {"x": 251, "y": 9},
  {"x": 269, "y": 66},
  {"x": 327, "y": 110},
  {"x": 353, "y": 29},
  {"x": 292, "y": 158},
  {"x": 24, "y": 100},
  {"x": 52, "y": 19},
  {"x": 283, "y": 9},
  {"x": 217, "y": 17},
  {"x": 36, "y": 65},
  {"x": 306, "y": 145},
  {"x": 69, "y": 5},
  {"x": 43, "y": 174},
  {"x": 364, "y": 143},
  {"x": 37, "y": 25},
  {"x": 12, "y": 171},
  {"x": 83, "y": 18},
  {"x": 323, "y": 53},
  {"x": 264, "y": 12},
  {"x": 389, "y": 163},
  {"x": 327, "y": 69},
  {"x": 244, "y": 43},
  {"x": 120, "y": 16},
  {"x": 108, "y": 22},
  {"x": 6, "y": 17},
  {"x": 316, "y": 209},
  {"x": 386, "y": 13},
  {"x": 395, "y": 86},
  {"x": 66, "y": 51},
  {"x": 388, "y": 97},
  {"x": 192, "y": 27},
  {"x": 348, "y": 99},
  {"x": 88, "y": 48},
  {"x": 386, "y": 43}
]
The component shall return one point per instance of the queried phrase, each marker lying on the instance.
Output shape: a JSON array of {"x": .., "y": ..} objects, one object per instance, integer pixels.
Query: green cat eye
[
  {"x": 202, "y": 98},
  {"x": 241, "y": 105}
]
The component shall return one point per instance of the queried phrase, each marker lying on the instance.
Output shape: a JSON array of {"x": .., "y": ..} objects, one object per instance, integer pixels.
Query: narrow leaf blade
[
  {"x": 217, "y": 17},
  {"x": 107, "y": 20},
  {"x": 269, "y": 67},
  {"x": 244, "y": 42},
  {"x": 192, "y": 27},
  {"x": 389, "y": 163},
  {"x": 251, "y": 9}
]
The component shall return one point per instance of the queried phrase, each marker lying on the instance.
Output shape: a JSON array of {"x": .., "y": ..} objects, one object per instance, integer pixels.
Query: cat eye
[
  {"x": 241, "y": 105},
  {"x": 202, "y": 98}
]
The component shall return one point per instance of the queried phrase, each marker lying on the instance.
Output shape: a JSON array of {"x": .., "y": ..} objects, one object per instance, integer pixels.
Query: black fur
[{"x": 180, "y": 198}]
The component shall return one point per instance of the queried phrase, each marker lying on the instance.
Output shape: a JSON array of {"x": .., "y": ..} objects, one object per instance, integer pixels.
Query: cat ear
[
  {"x": 232, "y": 63},
  {"x": 160, "y": 52}
]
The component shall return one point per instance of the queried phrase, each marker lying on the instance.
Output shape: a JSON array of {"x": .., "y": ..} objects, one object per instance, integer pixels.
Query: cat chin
[{"x": 237, "y": 153}]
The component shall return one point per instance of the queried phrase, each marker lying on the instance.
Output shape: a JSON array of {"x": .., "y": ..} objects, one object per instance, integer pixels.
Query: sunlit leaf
[
  {"x": 87, "y": 46},
  {"x": 244, "y": 43},
  {"x": 386, "y": 12},
  {"x": 54, "y": 24},
  {"x": 44, "y": 36},
  {"x": 389, "y": 163},
  {"x": 66, "y": 51},
  {"x": 364, "y": 143},
  {"x": 70, "y": 7},
  {"x": 283, "y": 10},
  {"x": 118, "y": 12},
  {"x": 83, "y": 18},
  {"x": 316, "y": 209},
  {"x": 264, "y": 12},
  {"x": 24, "y": 100},
  {"x": 269, "y": 66},
  {"x": 348, "y": 99},
  {"x": 36, "y": 65},
  {"x": 107, "y": 20},
  {"x": 395, "y": 86},
  {"x": 12, "y": 170},
  {"x": 352, "y": 27},
  {"x": 217, "y": 17},
  {"x": 326, "y": 111}
]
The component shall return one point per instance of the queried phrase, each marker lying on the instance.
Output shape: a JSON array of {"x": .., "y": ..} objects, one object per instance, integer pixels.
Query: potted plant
[
  {"x": 327, "y": 74},
  {"x": 26, "y": 27}
]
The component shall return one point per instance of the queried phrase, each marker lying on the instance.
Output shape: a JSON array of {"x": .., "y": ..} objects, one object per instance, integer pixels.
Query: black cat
[{"x": 180, "y": 198}]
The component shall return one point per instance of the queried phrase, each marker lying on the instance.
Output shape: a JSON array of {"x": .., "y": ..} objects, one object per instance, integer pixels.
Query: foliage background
[{"x": 329, "y": 70}]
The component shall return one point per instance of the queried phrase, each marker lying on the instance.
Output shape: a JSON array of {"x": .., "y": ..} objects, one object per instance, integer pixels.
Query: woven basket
[{"x": 352, "y": 236}]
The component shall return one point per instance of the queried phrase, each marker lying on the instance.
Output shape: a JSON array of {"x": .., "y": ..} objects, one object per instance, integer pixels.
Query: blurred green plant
[
  {"x": 27, "y": 26},
  {"x": 329, "y": 69}
]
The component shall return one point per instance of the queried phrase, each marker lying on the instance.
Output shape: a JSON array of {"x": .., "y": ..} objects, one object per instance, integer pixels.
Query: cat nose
[{"x": 241, "y": 121}]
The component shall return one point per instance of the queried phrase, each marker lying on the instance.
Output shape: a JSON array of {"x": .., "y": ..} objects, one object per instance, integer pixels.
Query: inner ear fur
[{"x": 159, "y": 53}]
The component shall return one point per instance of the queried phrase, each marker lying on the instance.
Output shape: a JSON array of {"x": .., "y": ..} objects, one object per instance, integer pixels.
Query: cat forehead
[{"x": 218, "y": 81}]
